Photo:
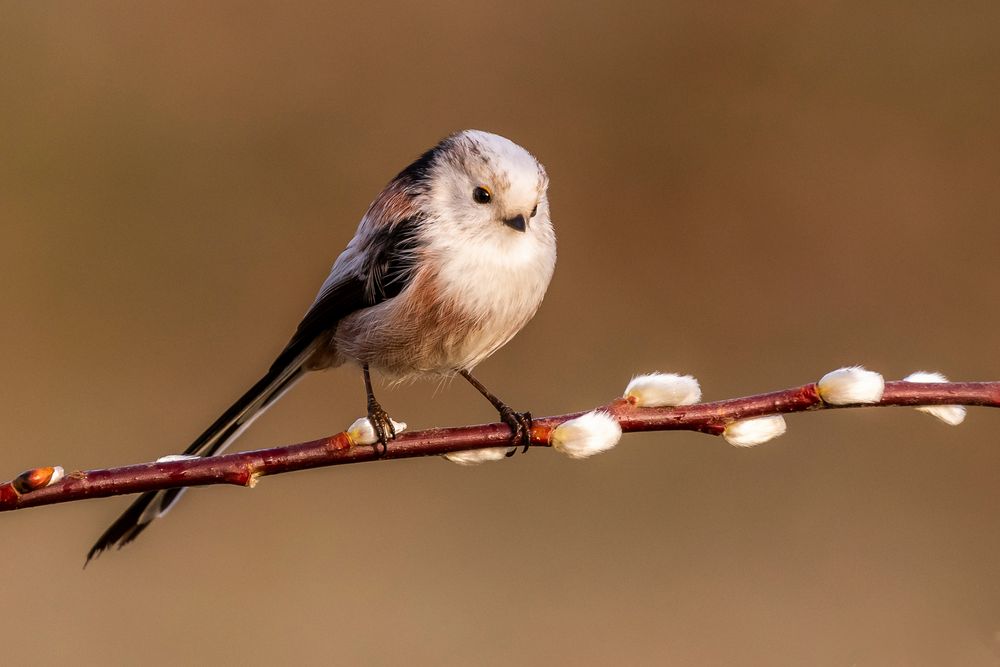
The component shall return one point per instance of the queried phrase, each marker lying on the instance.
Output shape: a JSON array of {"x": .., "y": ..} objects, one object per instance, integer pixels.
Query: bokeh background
[{"x": 754, "y": 193}]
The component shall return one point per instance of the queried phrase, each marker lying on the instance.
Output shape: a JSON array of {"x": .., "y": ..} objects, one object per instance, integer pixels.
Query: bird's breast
[
  {"x": 459, "y": 309},
  {"x": 497, "y": 290}
]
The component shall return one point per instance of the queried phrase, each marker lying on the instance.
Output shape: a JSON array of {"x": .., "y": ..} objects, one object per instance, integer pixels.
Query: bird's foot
[
  {"x": 385, "y": 430},
  {"x": 520, "y": 428}
]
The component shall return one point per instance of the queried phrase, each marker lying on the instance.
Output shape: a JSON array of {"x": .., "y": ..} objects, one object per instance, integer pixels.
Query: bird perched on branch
[{"x": 449, "y": 262}]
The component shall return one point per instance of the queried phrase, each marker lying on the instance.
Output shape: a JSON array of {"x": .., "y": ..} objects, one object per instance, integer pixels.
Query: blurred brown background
[{"x": 754, "y": 193}]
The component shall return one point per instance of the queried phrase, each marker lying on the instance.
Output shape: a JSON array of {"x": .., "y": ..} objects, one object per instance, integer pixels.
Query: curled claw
[
  {"x": 385, "y": 430},
  {"x": 520, "y": 429},
  {"x": 519, "y": 422}
]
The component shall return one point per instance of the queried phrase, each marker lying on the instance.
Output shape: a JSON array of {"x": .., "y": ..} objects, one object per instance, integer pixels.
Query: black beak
[{"x": 517, "y": 222}]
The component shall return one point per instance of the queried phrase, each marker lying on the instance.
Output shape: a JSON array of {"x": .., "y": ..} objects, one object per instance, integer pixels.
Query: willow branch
[{"x": 245, "y": 468}]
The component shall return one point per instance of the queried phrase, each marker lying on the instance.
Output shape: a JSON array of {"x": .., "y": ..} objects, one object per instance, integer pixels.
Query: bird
[{"x": 450, "y": 260}]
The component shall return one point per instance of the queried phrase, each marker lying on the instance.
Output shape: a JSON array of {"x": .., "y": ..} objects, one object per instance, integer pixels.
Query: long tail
[{"x": 284, "y": 373}]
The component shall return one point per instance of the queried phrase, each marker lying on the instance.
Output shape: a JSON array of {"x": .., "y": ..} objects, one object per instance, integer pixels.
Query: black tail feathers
[{"x": 153, "y": 504}]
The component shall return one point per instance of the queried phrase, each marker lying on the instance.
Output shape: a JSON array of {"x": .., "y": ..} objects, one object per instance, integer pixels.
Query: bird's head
[{"x": 481, "y": 185}]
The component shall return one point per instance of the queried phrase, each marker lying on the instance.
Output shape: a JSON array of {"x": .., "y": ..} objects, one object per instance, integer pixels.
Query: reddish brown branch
[{"x": 244, "y": 468}]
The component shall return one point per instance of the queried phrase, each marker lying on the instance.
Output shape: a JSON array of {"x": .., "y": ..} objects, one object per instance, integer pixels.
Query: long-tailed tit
[{"x": 450, "y": 260}]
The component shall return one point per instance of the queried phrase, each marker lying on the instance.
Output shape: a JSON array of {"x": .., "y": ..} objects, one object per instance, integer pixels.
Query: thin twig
[{"x": 244, "y": 468}]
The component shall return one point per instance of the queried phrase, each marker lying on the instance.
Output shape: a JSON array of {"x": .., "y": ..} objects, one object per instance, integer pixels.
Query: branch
[{"x": 46, "y": 486}]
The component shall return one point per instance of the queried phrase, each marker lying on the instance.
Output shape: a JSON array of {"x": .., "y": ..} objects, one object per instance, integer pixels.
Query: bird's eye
[
  {"x": 534, "y": 211},
  {"x": 482, "y": 195}
]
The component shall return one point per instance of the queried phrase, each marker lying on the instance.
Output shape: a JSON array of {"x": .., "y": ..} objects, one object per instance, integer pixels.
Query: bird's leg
[
  {"x": 378, "y": 417},
  {"x": 519, "y": 422}
]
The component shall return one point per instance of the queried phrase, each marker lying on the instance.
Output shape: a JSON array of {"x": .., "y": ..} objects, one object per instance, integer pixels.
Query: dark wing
[
  {"x": 394, "y": 258},
  {"x": 392, "y": 255},
  {"x": 335, "y": 303}
]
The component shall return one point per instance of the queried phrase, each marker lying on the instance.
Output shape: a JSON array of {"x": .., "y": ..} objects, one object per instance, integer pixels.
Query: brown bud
[{"x": 37, "y": 478}]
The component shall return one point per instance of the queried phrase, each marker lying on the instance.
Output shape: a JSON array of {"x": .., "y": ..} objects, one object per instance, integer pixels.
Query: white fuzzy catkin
[
  {"x": 586, "y": 435},
  {"x": 472, "y": 457},
  {"x": 754, "y": 431},
  {"x": 656, "y": 390},
  {"x": 172, "y": 458},
  {"x": 851, "y": 385},
  {"x": 361, "y": 432},
  {"x": 953, "y": 415}
]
